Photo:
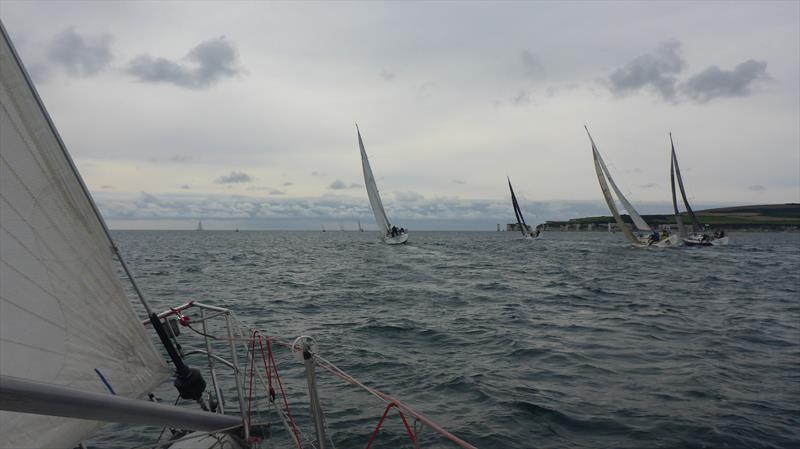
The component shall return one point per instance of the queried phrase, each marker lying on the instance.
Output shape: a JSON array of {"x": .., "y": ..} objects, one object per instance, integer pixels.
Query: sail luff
[
  {"x": 372, "y": 190},
  {"x": 607, "y": 193},
  {"x": 695, "y": 220}
]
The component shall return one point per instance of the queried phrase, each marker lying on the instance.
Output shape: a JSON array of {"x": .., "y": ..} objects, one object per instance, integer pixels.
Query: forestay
[
  {"x": 372, "y": 190},
  {"x": 64, "y": 317}
]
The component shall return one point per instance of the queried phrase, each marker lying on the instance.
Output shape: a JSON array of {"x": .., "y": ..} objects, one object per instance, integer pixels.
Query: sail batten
[
  {"x": 63, "y": 311},
  {"x": 372, "y": 190}
]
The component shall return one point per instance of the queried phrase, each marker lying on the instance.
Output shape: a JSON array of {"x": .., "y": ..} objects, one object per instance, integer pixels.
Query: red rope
[
  {"x": 283, "y": 393},
  {"x": 380, "y": 423}
]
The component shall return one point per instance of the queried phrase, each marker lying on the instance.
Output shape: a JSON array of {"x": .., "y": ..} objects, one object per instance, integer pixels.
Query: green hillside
[{"x": 766, "y": 216}]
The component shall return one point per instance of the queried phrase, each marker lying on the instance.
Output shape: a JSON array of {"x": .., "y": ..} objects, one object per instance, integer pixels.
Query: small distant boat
[
  {"x": 389, "y": 233},
  {"x": 697, "y": 237},
  {"x": 523, "y": 227},
  {"x": 199, "y": 225},
  {"x": 360, "y": 229},
  {"x": 604, "y": 178}
]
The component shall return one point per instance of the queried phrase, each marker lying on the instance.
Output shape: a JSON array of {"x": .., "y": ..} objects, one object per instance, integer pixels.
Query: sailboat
[
  {"x": 360, "y": 229},
  {"x": 697, "y": 237},
  {"x": 523, "y": 227},
  {"x": 389, "y": 233},
  {"x": 604, "y": 178},
  {"x": 199, "y": 225},
  {"x": 73, "y": 353}
]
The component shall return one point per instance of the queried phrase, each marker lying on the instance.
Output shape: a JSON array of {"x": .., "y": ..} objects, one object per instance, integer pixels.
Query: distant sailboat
[
  {"x": 604, "y": 178},
  {"x": 389, "y": 233},
  {"x": 199, "y": 225},
  {"x": 523, "y": 227},
  {"x": 698, "y": 237},
  {"x": 360, "y": 229}
]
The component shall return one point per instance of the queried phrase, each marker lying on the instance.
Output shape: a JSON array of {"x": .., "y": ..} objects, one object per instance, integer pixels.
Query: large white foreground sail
[
  {"x": 64, "y": 318},
  {"x": 384, "y": 225},
  {"x": 604, "y": 178}
]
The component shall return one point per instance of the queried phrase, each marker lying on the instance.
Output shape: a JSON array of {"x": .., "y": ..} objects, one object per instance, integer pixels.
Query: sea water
[{"x": 574, "y": 340}]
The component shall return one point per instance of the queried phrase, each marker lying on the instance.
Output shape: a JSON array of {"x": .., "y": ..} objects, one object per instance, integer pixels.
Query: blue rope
[{"x": 103, "y": 378}]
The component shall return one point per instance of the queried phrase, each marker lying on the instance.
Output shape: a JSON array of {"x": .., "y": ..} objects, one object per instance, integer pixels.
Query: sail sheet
[
  {"x": 64, "y": 317},
  {"x": 372, "y": 190},
  {"x": 601, "y": 179},
  {"x": 695, "y": 220},
  {"x": 517, "y": 211}
]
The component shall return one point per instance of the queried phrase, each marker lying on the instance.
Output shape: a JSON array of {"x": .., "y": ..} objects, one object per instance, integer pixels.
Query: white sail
[
  {"x": 64, "y": 317},
  {"x": 637, "y": 219},
  {"x": 601, "y": 178},
  {"x": 372, "y": 190}
]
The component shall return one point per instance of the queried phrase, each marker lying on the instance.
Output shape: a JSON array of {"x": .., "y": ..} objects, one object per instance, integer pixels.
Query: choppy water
[{"x": 572, "y": 341}]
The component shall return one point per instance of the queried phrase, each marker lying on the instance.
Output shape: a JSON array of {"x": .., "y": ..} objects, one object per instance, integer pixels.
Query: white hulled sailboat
[
  {"x": 604, "y": 178},
  {"x": 523, "y": 227},
  {"x": 697, "y": 237},
  {"x": 389, "y": 234}
]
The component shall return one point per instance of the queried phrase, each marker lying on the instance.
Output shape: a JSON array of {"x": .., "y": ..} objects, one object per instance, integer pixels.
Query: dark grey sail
[
  {"x": 695, "y": 220},
  {"x": 678, "y": 219},
  {"x": 517, "y": 211}
]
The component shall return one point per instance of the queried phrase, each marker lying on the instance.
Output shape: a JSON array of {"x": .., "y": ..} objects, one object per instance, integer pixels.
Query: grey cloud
[
  {"x": 341, "y": 185},
  {"x": 288, "y": 184},
  {"x": 408, "y": 196},
  {"x": 185, "y": 187},
  {"x": 522, "y": 98},
  {"x": 208, "y": 62},
  {"x": 80, "y": 55},
  {"x": 656, "y": 70},
  {"x": 318, "y": 173},
  {"x": 532, "y": 65},
  {"x": 714, "y": 82},
  {"x": 233, "y": 178},
  {"x": 276, "y": 192},
  {"x": 337, "y": 185},
  {"x": 757, "y": 188},
  {"x": 179, "y": 158},
  {"x": 387, "y": 75}
]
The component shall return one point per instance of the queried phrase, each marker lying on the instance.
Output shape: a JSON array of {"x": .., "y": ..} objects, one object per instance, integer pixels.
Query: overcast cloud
[{"x": 198, "y": 102}]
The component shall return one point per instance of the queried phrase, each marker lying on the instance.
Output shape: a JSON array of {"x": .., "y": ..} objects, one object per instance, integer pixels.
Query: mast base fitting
[{"x": 190, "y": 384}]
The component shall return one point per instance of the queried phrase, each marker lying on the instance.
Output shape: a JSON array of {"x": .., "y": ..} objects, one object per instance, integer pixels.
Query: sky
[{"x": 242, "y": 114}]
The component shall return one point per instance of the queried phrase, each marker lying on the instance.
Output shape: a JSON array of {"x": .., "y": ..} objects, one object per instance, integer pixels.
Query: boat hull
[
  {"x": 673, "y": 240},
  {"x": 396, "y": 240}
]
